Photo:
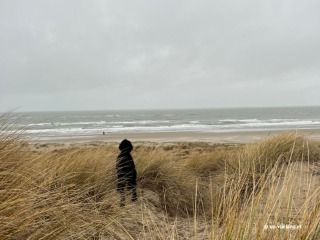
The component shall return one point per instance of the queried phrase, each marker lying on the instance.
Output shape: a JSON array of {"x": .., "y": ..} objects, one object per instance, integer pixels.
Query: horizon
[{"x": 164, "y": 109}]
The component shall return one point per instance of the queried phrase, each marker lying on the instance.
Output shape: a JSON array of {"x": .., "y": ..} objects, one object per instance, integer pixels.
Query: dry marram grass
[{"x": 186, "y": 190}]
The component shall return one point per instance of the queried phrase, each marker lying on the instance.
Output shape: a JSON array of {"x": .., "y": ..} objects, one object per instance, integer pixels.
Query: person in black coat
[{"x": 126, "y": 171}]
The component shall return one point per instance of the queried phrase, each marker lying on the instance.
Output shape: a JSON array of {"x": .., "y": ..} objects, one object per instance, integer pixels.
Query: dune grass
[{"x": 186, "y": 191}]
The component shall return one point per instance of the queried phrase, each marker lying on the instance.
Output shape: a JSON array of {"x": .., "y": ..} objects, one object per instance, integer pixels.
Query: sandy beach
[{"x": 186, "y": 136}]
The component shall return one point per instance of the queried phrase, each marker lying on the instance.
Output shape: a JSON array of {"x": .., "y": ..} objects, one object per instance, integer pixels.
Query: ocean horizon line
[{"x": 161, "y": 109}]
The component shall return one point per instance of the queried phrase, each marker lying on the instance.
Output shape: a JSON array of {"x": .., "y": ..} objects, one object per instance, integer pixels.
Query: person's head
[{"x": 125, "y": 145}]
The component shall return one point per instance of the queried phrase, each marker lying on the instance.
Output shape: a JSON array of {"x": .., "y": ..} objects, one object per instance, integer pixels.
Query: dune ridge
[{"x": 267, "y": 189}]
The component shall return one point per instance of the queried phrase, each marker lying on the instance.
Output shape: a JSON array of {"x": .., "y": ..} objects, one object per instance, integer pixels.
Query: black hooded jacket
[{"x": 125, "y": 165}]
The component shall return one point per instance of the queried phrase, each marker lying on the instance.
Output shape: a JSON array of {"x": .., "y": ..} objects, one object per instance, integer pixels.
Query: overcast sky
[{"x": 99, "y": 54}]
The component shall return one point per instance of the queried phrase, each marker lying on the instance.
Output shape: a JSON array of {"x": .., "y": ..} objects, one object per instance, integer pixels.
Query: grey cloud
[{"x": 158, "y": 53}]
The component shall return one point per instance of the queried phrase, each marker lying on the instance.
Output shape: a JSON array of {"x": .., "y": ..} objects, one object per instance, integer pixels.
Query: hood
[{"x": 126, "y": 146}]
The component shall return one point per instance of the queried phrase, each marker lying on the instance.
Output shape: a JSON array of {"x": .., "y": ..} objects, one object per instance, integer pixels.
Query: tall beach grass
[{"x": 264, "y": 190}]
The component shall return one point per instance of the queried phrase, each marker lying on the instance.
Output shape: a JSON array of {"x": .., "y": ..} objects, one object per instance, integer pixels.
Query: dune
[{"x": 262, "y": 189}]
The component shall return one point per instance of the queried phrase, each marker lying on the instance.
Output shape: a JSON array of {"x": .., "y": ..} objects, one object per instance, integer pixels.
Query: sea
[{"x": 70, "y": 124}]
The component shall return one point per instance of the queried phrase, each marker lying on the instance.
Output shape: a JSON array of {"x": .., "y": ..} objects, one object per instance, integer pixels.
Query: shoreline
[{"x": 234, "y": 137}]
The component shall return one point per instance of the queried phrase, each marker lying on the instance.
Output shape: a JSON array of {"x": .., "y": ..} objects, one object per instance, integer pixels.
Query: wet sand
[{"x": 159, "y": 137}]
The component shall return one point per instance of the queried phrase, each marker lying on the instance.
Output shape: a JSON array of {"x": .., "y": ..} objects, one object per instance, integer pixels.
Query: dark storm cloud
[{"x": 154, "y": 54}]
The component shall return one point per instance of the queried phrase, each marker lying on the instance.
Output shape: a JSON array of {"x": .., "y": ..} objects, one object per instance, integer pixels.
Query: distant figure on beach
[
  {"x": 103, "y": 133},
  {"x": 126, "y": 172}
]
